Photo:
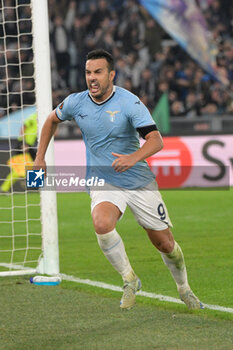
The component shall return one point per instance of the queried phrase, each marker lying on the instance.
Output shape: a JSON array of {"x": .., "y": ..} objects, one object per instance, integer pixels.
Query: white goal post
[
  {"x": 48, "y": 256},
  {"x": 50, "y": 261}
]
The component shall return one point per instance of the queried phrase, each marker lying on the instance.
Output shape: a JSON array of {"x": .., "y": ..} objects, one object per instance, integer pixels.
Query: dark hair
[{"x": 100, "y": 53}]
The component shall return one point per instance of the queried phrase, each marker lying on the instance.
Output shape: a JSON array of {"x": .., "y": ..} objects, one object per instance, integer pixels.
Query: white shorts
[{"x": 146, "y": 205}]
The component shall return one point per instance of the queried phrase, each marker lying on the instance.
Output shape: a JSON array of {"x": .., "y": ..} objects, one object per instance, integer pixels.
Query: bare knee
[
  {"x": 105, "y": 216},
  {"x": 103, "y": 224},
  {"x": 165, "y": 246},
  {"x": 163, "y": 240}
]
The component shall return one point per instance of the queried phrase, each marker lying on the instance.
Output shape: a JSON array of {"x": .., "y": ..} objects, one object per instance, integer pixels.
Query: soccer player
[{"x": 111, "y": 120}]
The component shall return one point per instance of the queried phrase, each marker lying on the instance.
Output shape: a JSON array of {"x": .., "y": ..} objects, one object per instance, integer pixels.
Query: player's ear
[{"x": 112, "y": 75}]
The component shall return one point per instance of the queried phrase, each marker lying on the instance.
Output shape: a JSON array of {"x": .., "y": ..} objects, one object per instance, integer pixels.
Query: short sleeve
[
  {"x": 64, "y": 109},
  {"x": 139, "y": 115}
]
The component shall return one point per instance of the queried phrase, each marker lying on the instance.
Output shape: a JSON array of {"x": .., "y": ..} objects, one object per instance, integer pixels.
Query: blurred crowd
[
  {"x": 16, "y": 56},
  {"x": 148, "y": 61}
]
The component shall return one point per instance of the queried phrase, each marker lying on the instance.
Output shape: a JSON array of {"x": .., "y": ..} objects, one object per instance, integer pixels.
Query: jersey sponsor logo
[
  {"x": 137, "y": 102},
  {"x": 173, "y": 164},
  {"x": 112, "y": 115}
]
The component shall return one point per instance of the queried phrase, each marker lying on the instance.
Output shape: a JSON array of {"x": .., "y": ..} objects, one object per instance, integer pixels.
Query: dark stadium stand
[{"x": 148, "y": 62}]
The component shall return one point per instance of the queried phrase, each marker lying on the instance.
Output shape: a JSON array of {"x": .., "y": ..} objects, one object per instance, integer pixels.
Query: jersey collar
[{"x": 107, "y": 99}]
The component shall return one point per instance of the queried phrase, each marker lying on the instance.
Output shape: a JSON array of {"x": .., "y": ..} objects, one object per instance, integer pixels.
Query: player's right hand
[{"x": 39, "y": 164}]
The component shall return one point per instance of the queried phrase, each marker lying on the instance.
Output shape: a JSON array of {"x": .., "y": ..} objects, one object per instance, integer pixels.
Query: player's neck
[{"x": 106, "y": 99}]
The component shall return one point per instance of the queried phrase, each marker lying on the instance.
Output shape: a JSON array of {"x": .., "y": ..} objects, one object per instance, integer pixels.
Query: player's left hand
[{"x": 123, "y": 162}]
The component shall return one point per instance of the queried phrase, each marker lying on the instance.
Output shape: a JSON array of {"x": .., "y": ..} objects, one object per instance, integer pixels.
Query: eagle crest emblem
[{"x": 112, "y": 115}]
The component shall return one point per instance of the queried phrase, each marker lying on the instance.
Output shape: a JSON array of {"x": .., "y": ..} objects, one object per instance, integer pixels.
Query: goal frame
[{"x": 49, "y": 261}]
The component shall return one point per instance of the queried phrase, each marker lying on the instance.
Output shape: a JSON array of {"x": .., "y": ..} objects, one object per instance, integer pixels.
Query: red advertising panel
[{"x": 173, "y": 164}]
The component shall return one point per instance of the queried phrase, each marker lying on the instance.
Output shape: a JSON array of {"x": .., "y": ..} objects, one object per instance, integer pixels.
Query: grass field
[{"x": 77, "y": 316}]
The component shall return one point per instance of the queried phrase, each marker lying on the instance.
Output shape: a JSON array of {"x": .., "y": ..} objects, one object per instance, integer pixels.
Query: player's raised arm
[{"x": 47, "y": 133}]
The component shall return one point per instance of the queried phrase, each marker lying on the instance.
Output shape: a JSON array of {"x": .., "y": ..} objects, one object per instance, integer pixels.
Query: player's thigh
[
  {"x": 149, "y": 209},
  {"x": 107, "y": 207}
]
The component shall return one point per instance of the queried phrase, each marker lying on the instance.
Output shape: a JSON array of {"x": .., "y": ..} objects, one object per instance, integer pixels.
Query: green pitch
[
  {"x": 203, "y": 226},
  {"x": 76, "y": 316}
]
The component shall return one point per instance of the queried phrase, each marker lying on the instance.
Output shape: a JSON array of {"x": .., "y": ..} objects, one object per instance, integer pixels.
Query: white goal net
[{"x": 25, "y": 246}]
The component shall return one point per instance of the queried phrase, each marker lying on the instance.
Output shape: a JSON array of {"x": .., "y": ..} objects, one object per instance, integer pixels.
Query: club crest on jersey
[{"x": 112, "y": 115}]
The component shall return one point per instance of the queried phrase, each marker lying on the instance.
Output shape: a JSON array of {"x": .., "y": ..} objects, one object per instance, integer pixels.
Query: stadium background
[
  {"x": 76, "y": 316},
  {"x": 148, "y": 61}
]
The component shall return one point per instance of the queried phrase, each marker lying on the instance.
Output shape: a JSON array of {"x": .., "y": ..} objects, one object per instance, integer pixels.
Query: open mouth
[{"x": 94, "y": 87}]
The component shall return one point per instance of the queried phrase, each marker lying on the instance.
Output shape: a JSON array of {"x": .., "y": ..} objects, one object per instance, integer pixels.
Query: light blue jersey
[{"x": 109, "y": 127}]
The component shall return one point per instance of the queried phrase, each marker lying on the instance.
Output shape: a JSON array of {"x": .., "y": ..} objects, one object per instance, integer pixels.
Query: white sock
[
  {"x": 175, "y": 263},
  {"x": 114, "y": 250}
]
